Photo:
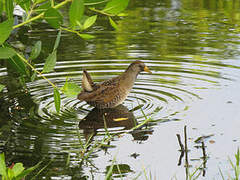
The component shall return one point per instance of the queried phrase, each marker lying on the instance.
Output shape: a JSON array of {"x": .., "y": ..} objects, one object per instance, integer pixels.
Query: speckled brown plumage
[{"x": 112, "y": 92}]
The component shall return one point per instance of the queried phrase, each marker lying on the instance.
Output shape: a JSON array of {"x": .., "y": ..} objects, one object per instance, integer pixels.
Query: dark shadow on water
[{"x": 119, "y": 118}]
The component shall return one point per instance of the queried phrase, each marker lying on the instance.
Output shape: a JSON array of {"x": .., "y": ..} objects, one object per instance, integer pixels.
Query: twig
[
  {"x": 182, "y": 149},
  {"x": 186, "y": 151},
  {"x": 204, "y": 159}
]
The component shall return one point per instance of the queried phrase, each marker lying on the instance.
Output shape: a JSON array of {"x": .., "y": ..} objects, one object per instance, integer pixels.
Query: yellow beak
[{"x": 147, "y": 70}]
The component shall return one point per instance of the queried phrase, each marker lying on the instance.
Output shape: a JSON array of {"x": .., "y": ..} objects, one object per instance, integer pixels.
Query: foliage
[
  {"x": 236, "y": 166},
  {"x": 15, "y": 171},
  {"x": 82, "y": 15}
]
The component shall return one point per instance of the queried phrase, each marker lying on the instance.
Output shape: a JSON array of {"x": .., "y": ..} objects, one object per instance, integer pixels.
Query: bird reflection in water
[{"x": 118, "y": 119}]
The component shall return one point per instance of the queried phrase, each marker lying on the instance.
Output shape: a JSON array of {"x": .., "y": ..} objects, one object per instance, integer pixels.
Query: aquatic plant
[
  {"x": 15, "y": 171},
  {"x": 81, "y": 16}
]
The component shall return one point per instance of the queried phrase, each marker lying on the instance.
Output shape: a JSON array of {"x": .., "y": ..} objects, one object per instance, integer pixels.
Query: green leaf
[
  {"x": 17, "y": 169},
  {"x": 18, "y": 65},
  {"x": 3, "y": 168},
  {"x": 26, "y": 172},
  {"x": 6, "y": 52},
  {"x": 89, "y": 22},
  {"x": 5, "y": 30},
  {"x": 39, "y": 1},
  {"x": 57, "y": 100},
  {"x": 50, "y": 62},
  {"x": 25, "y": 4},
  {"x": 122, "y": 14},
  {"x": 113, "y": 24},
  {"x": 36, "y": 50},
  {"x": 86, "y": 36},
  {"x": 10, "y": 173},
  {"x": 43, "y": 7},
  {"x": 76, "y": 12},
  {"x": 71, "y": 89},
  {"x": 53, "y": 17},
  {"x": 116, "y": 6},
  {"x": 1, "y": 88},
  {"x": 57, "y": 40}
]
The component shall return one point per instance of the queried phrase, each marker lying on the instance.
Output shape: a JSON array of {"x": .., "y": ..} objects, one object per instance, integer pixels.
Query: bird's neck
[{"x": 128, "y": 78}]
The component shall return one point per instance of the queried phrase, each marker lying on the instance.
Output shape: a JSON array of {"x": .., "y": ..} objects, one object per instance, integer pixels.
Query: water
[{"x": 192, "y": 48}]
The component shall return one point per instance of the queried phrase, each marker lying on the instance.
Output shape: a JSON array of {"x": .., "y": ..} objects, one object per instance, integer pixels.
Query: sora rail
[{"x": 112, "y": 92}]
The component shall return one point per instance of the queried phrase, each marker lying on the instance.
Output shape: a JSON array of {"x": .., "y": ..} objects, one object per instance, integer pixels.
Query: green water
[{"x": 192, "y": 48}]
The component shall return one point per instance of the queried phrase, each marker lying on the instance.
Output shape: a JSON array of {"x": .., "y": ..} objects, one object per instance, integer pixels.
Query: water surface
[{"x": 193, "y": 51}]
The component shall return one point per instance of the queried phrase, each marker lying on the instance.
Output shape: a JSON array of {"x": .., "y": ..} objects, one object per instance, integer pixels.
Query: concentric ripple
[{"x": 168, "y": 91}]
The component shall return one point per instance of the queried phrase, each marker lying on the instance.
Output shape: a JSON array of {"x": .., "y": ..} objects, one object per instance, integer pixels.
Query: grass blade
[{"x": 57, "y": 100}]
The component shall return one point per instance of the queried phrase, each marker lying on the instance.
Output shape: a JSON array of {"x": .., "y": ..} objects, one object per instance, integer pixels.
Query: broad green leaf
[
  {"x": 5, "y": 30},
  {"x": 57, "y": 40},
  {"x": 17, "y": 169},
  {"x": 71, "y": 89},
  {"x": 113, "y": 24},
  {"x": 76, "y": 12},
  {"x": 18, "y": 65},
  {"x": 116, "y": 6},
  {"x": 89, "y": 22},
  {"x": 57, "y": 100},
  {"x": 10, "y": 173},
  {"x": 26, "y": 172},
  {"x": 86, "y": 36},
  {"x": 53, "y": 17},
  {"x": 50, "y": 62},
  {"x": 36, "y": 50},
  {"x": 3, "y": 168},
  {"x": 6, "y": 52},
  {"x": 1, "y": 88}
]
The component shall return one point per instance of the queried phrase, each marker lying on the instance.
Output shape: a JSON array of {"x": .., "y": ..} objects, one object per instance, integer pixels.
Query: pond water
[{"x": 192, "y": 48}]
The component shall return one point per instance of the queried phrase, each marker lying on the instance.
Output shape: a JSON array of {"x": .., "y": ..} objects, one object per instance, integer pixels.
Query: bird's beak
[{"x": 146, "y": 69}]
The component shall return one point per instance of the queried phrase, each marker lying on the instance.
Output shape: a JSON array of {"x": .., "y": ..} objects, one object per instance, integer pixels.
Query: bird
[{"x": 110, "y": 93}]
